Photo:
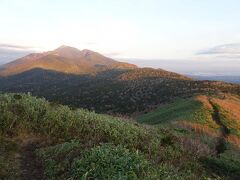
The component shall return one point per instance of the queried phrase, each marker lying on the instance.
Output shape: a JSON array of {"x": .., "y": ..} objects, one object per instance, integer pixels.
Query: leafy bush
[
  {"x": 57, "y": 159},
  {"x": 226, "y": 165},
  {"x": 109, "y": 162},
  {"x": 9, "y": 166},
  {"x": 69, "y": 160}
]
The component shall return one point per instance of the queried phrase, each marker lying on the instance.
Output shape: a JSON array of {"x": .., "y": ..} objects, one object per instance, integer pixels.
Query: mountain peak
[
  {"x": 87, "y": 52},
  {"x": 64, "y": 59},
  {"x": 67, "y": 51},
  {"x": 65, "y": 48}
]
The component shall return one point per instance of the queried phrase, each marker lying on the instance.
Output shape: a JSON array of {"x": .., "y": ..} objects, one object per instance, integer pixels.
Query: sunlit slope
[
  {"x": 229, "y": 112},
  {"x": 64, "y": 59},
  {"x": 180, "y": 109},
  {"x": 201, "y": 114},
  {"x": 189, "y": 109}
]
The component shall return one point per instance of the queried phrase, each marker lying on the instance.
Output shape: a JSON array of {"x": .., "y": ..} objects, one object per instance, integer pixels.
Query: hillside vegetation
[
  {"x": 206, "y": 124},
  {"x": 56, "y": 142},
  {"x": 65, "y": 143}
]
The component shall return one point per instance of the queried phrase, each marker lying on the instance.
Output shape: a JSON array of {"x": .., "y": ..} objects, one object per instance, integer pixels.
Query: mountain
[
  {"x": 225, "y": 78},
  {"x": 64, "y": 59}
]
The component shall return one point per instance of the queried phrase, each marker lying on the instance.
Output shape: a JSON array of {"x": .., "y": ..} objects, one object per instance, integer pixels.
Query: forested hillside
[{"x": 118, "y": 91}]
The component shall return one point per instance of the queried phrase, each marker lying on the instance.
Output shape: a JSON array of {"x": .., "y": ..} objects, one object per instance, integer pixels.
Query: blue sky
[{"x": 145, "y": 29}]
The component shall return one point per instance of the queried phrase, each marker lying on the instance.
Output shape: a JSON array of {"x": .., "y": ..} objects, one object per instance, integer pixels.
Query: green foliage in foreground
[
  {"x": 101, "y": 162},
  {"x": 227, "y": 164},
  {"x": 26, "y": 114},
  {"x": 157, "y": 148},
  {"x": 71, "y": 160},
  {"x": 9, "y": 167}
]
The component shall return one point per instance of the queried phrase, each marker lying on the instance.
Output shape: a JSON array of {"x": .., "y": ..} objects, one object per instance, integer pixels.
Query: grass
[
  {"x": 182, "y": 109},
  {"x": 192, "y": 122},
  {"x": 193, "y": 110},
  {"x": 229, "y": 113},
  {"x": 100, "y": 162},
  {"x": 226, "y": 165},
  {"x": 153, "y": 151}
]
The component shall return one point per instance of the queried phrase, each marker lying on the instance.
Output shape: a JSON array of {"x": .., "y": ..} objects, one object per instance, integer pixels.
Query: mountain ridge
[{"x": 64, "y": 59}]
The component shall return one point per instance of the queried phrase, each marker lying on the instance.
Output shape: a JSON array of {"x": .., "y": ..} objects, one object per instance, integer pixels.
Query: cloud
[
  {"x": 13, "y": 46},
  {"x": 230, "y": 50},
  {"x": 229, "y": 56},
  {"x": 9, "y": 52}
]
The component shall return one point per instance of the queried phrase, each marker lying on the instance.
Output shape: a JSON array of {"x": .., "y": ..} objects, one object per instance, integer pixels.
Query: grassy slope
[
  {"x": 229, "y": 109},
  {"x": 191, "y": 109},
  {"x": 81, "y": 144},
  {"x": 192, "y": 121},
  {"x": 178, "y": 110}
]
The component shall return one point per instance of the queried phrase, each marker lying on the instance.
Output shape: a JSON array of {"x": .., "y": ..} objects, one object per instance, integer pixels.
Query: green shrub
[
  {"x": 227, "y": 164},
  {"x": 57, "y": 159},
  {"x": 107, "y": 161},
  {"x": 9, "y": 166}
]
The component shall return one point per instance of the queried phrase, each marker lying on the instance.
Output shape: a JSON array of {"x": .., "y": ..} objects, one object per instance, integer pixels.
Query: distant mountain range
[
  {"x": 225, "y": 78},
  {"x": 207, "y": 69},
  {"x": 64, "y": 59},
  {"x": 90, "y": 80}
]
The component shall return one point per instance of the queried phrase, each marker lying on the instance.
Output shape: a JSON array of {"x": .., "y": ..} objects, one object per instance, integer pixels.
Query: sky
[{"x": 142, "y": 30}]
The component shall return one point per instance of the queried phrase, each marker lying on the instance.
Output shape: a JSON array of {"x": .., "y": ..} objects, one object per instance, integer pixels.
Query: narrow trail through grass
[
  {"x": 30, "y": 167},
  {"x": 221, "y": 144}
]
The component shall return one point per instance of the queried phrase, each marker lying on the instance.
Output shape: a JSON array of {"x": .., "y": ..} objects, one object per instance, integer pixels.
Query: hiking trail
[
  {"x": 224, "y": 131},
  {"x": 31, "y": 168}
]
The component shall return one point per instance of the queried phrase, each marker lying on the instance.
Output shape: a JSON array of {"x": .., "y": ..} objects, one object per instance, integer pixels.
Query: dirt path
[
  {"x": 221, "y": 144},
  {"x": 31, "y": 168}
]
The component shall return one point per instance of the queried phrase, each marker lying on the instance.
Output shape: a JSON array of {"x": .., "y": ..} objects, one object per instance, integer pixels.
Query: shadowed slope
[{"x": 107, "y": 92}]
